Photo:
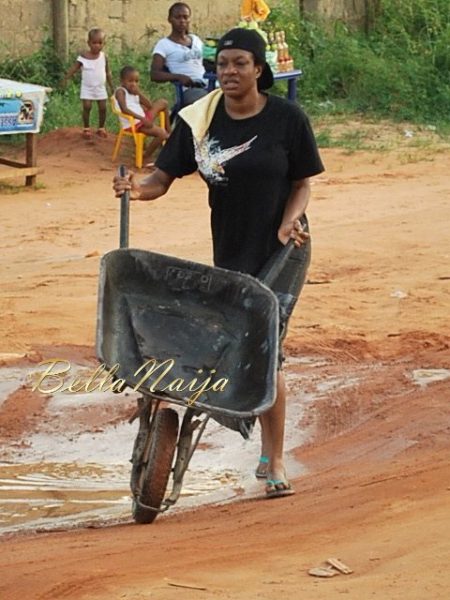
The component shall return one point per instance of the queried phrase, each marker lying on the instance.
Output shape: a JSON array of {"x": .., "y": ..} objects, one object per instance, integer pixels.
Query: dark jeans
[
  {"x": 289, "y": 283},
  {"x": 287, "y": 287},
  {"x": 190, "y": 95}
]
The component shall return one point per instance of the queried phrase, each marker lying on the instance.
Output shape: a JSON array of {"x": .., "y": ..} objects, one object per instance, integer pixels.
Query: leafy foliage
[{"x": 399, "y": 69}]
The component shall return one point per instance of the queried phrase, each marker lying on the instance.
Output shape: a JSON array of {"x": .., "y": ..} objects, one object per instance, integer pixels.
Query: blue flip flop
[
  {"x": 286, "y": 490},
  {"x": 264, "y": 460}
]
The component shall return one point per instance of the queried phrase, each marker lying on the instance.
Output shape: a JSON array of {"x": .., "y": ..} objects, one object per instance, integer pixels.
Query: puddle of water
[
  {"x": 46, "y": 496},
  {"x": 69, "y": 478},
  {"x": 11, "y": 378},
  {"x": 49, "y": 495},
  {"x": 335, "y": 383},
  {"x": 423, "y": 377},
  {"x": 310, "y": 361}
]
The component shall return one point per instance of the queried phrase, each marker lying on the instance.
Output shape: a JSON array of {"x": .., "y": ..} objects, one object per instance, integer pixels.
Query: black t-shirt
[{"x": 248, "y": 165}]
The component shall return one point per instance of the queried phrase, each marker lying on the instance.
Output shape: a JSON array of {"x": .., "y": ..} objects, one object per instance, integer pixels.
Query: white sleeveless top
[
  {"x": 183, "y": 60},
  {"x": 93, "y": 77},
  {"x": 133, "y": 104}
]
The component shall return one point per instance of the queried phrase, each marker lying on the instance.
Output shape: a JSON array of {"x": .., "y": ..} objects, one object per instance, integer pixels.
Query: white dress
[
  {"x": 93, "y": 77},
  {"x": 133, "y": 103}
]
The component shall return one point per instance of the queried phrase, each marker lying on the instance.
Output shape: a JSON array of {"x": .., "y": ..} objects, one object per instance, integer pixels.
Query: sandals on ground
[{"x": 277, "y": 488}]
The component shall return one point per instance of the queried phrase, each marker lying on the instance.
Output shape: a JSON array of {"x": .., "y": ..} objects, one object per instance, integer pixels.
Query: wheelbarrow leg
[
  {"x": 185, "y": 450},
  {"x": 144, "y": 412}
]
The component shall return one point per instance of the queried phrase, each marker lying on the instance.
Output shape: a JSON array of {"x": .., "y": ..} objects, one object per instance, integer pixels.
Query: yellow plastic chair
[{"x": 139, "y": 138}]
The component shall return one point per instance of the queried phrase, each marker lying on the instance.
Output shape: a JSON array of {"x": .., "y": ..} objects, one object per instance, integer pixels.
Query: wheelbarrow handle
[
  {"x": 124, "y": 212},
  {"x": 268, "y": 277}
]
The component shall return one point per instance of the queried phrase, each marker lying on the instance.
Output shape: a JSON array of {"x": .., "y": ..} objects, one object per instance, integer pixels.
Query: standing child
[
  {"x": 130, "y": 101},
  {"x": 95, "y": 74}
]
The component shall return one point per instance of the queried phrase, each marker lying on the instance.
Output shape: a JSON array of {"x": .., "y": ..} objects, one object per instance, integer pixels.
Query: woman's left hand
[{"x": 292, "y": 230}]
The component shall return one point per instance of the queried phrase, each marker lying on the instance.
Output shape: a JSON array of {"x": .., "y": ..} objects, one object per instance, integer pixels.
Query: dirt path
[{"x": 375, "y": 492}]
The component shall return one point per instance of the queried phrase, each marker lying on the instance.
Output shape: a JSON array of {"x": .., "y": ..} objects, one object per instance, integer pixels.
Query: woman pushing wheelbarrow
[{"x": 256, "y": 153}]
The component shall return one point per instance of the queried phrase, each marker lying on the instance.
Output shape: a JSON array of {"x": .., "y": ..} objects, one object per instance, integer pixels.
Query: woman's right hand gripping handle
[
  {"x": 124, "y": 183},
  {"x": 152, "y": 187}
]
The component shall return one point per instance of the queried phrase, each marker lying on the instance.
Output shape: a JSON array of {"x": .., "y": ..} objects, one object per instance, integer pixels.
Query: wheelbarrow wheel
[{"x": 159, "y": 465}]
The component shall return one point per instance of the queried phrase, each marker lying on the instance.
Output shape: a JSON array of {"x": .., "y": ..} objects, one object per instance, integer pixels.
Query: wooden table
[
  {"x": 28, "y": 169},
  {"x": 21, "y": 112}
]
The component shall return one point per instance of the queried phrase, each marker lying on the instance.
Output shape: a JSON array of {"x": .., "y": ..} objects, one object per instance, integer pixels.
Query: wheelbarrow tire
[{"x": 159, "y": 465}]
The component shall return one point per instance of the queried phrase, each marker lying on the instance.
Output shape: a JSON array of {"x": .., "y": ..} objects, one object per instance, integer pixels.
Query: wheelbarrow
[{"x": 179, "y": 332}]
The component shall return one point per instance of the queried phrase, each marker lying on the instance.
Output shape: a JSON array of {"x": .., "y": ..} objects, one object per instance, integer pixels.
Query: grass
[
  {"x": 64, "y": 107},
  {"x": 351, "y": 141},
  {"x": 11, "y": 189},
  {"x": 355, "y": 133}
]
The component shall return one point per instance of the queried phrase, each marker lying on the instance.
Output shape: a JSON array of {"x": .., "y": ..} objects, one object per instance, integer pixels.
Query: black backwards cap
[{"x": 251, "y": 41}]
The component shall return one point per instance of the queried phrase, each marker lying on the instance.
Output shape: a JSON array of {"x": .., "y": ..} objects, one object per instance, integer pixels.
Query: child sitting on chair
[{"x": 130, "y": 100}]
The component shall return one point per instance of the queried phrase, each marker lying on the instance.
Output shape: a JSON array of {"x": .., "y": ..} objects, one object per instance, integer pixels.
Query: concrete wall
[
  {"x": 133, "y": 23},
  {"x": 22, "y": 25},
  {"x": 139, "y": 23}
]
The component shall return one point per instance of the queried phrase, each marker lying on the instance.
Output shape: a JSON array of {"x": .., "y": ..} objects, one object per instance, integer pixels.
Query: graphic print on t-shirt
[{"x": 210, "y": 157}]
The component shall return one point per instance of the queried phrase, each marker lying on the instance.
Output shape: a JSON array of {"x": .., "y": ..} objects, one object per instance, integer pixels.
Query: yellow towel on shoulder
[{"x": 199, "y": 115}]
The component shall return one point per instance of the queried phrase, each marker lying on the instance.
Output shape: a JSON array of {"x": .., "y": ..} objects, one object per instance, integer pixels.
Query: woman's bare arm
[
  {"x": 150, "y": 188},
  {"x": 159, "y": 74},
  {"x": 295, "y": 208}
]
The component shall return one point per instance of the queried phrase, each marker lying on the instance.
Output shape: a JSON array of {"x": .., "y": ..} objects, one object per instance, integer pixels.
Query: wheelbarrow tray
[{"x": 160, "y": 313}]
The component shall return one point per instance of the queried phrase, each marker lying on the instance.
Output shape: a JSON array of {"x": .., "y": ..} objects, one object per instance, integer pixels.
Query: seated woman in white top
[{"x": 179, "y": 56}]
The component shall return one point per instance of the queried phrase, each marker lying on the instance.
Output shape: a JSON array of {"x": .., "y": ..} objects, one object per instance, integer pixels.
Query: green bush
[
  {"x": 42, "y": 67},
  {"x": 399, "y": 69}
]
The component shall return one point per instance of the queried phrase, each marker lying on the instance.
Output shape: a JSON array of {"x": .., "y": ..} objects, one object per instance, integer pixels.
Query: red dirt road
[{"x": 376, "y": 492}]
